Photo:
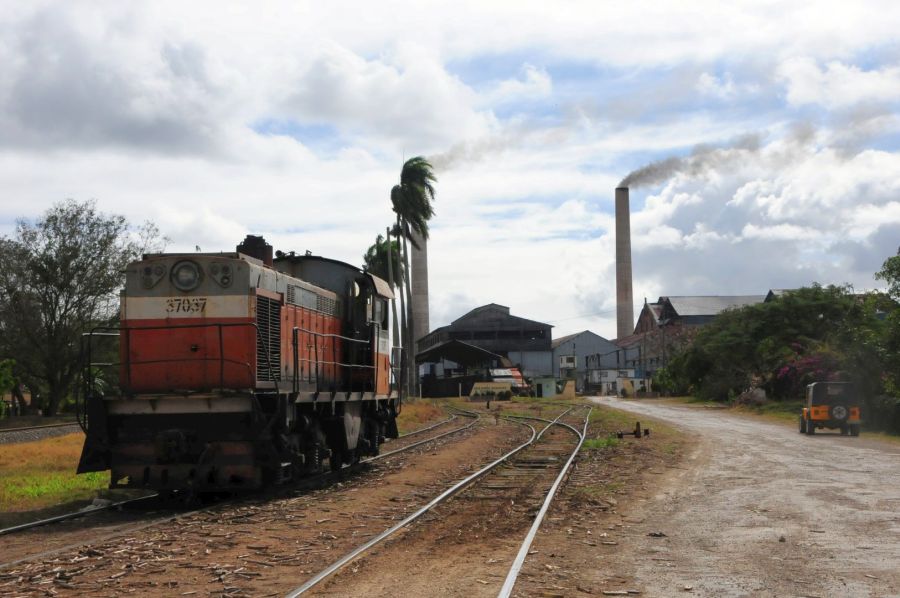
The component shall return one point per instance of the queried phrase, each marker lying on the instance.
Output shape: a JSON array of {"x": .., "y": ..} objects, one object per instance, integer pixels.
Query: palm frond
[{"x": 412, "y": 198}]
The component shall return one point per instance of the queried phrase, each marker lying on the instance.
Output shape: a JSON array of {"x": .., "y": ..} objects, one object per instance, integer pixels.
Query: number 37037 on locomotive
[{"x": 235, "y": 370}]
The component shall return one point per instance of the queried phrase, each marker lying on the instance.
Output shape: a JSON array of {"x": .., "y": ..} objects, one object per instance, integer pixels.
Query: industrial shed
[{"x": 522, "y": 342}]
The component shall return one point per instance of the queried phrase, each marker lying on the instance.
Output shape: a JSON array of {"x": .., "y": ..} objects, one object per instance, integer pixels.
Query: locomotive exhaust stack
[{"x": 256, "y": 246}]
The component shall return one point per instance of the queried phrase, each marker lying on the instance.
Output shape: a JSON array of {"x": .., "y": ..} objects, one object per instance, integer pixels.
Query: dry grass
[
  {"x": 415, "y": 415},
  {"x": 35, "y": 475}
]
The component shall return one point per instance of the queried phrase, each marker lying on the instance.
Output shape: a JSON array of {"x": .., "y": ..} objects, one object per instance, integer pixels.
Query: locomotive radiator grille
[
  {"x": 305, "y": 298},
  {"x": 268, "y": 343}
]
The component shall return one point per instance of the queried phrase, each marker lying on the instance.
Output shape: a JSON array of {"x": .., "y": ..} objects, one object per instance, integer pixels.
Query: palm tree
[
  {"x": 383, "y": 260},
  {"x": 411, "y": 200}
]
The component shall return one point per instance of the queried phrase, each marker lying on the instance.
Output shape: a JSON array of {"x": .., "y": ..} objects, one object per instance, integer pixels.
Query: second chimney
[{"x": 624, "y": 300}]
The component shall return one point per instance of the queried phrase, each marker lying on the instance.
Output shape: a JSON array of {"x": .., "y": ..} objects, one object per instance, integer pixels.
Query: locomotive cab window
[
  {"x": 380, "y": 313},
  {"x": 384, "y": 314}
]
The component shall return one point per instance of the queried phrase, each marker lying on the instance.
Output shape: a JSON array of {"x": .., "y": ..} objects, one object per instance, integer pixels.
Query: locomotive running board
[
  {"x": 340, "y": 397},
  {"x": 160, "y": 406}
]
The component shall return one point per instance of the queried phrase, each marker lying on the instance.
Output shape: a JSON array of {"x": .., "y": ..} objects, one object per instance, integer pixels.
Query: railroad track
[
  {"x": 251, "y": 547},
  {"x": 306, "y": 482},
  {"x": 163, "y": 556},
  {"x": 541, "y": 462},
  {"x": 32, "y": 433}
]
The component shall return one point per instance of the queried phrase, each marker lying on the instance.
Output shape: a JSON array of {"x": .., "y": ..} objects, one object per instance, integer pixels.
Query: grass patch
[
  {"x": 35, "y": 475},
  {"x": 612, "y": 420},
  {"x": 780, "y": 410},
  {"x": 599, "y": 443}
]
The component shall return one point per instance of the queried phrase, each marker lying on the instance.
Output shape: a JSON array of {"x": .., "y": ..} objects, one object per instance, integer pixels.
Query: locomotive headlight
[{"x": 186, "y": 276}]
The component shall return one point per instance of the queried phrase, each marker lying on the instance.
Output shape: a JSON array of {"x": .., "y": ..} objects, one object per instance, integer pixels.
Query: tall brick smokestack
[
  {"x": 419, "y": 267},
  {"x": 624, "y": 301}
]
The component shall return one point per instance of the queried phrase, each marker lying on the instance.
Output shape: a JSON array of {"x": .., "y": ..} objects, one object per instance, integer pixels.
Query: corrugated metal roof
[
  {"x": 558, "y": 341},
  {"x": 563, "y": 339},
  {"x": 710, "y": 305}
]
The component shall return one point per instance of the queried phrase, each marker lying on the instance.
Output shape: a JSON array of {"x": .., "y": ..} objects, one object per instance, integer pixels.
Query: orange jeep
[{"x": 832, "y": 405}]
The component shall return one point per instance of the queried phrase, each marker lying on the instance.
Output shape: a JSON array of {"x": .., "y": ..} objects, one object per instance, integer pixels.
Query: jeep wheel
[
  {"x": 802, "y": 425},
  {"x": 854, "y": 430},
  {"x": 810, "y": 428},
  {"x": 839, "y": 413}
]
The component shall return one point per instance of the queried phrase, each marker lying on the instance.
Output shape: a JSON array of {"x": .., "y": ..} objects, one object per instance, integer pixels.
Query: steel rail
[
  {"x": 431, "y": 427},
  {"x": 513, "y": 574},
  {"x": 442, "y": 497},
  {"x": 41, "y": 427},
  {"x": 421, "y": 442},
  {"x": 319, "y": 477},
  {"x": 75, "y": 515}
]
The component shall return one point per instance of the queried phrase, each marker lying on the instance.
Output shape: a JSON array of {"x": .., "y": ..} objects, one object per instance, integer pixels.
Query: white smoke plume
[
  {"x": 702, "y": 159},
  {"x": 474, "y": 151}
]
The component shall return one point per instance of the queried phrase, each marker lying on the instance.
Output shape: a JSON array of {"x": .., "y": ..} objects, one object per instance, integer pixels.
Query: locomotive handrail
[
  {"x": 348, "y": 365},
  {"x": 329, "y": 335},
  {"x": 295, "y": 342}
]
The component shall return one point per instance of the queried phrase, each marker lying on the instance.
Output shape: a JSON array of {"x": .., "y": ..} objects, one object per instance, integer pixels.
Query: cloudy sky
[{"x": 774, "y": 124}]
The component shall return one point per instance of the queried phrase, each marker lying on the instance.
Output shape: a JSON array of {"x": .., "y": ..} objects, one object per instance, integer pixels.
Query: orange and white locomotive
[{"x": 237, "y": 369}]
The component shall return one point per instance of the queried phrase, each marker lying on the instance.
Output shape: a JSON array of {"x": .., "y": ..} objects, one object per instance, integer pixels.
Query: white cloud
[
  {"x": 838, "y": 85},
  {"x": 411, "y": 99},
  {"x": 535, "y": 83},
  {"x": 779, "y": 232},
  {"x": 148, "y": 108}
]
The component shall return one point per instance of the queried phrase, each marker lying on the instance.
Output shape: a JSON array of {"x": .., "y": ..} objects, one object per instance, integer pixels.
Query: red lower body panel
[{"x": 160, "y": 356}]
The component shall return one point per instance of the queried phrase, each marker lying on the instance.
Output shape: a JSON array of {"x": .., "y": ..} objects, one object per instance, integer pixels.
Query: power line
[{"x": 599, "y": 313}]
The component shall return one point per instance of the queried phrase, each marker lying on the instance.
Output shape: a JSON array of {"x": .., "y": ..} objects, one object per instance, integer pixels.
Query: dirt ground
[
  {"x": 255, "y": 549},
  {"x": 756, "y": 509},
  {"x": 731, "y": 506}
]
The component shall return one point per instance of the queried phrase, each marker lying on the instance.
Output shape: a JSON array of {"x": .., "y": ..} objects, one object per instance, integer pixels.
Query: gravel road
[{"x": 761, "y": 510}]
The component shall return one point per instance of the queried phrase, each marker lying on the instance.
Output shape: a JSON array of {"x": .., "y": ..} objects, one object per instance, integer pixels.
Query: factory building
[{"x": 453, "y": 357}]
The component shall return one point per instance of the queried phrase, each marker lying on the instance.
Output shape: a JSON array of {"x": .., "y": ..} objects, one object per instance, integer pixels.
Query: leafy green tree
[
  {"x": 806, "y": 335},
  {"x": 756, "y": 342},
  {"x": 890, "y": 273},
  {"x": 7, "y": 380},
  {"x": 375, "y": 260},
  {"x": 412, "y": 200},
  {"x": 59, "y": 276}
]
